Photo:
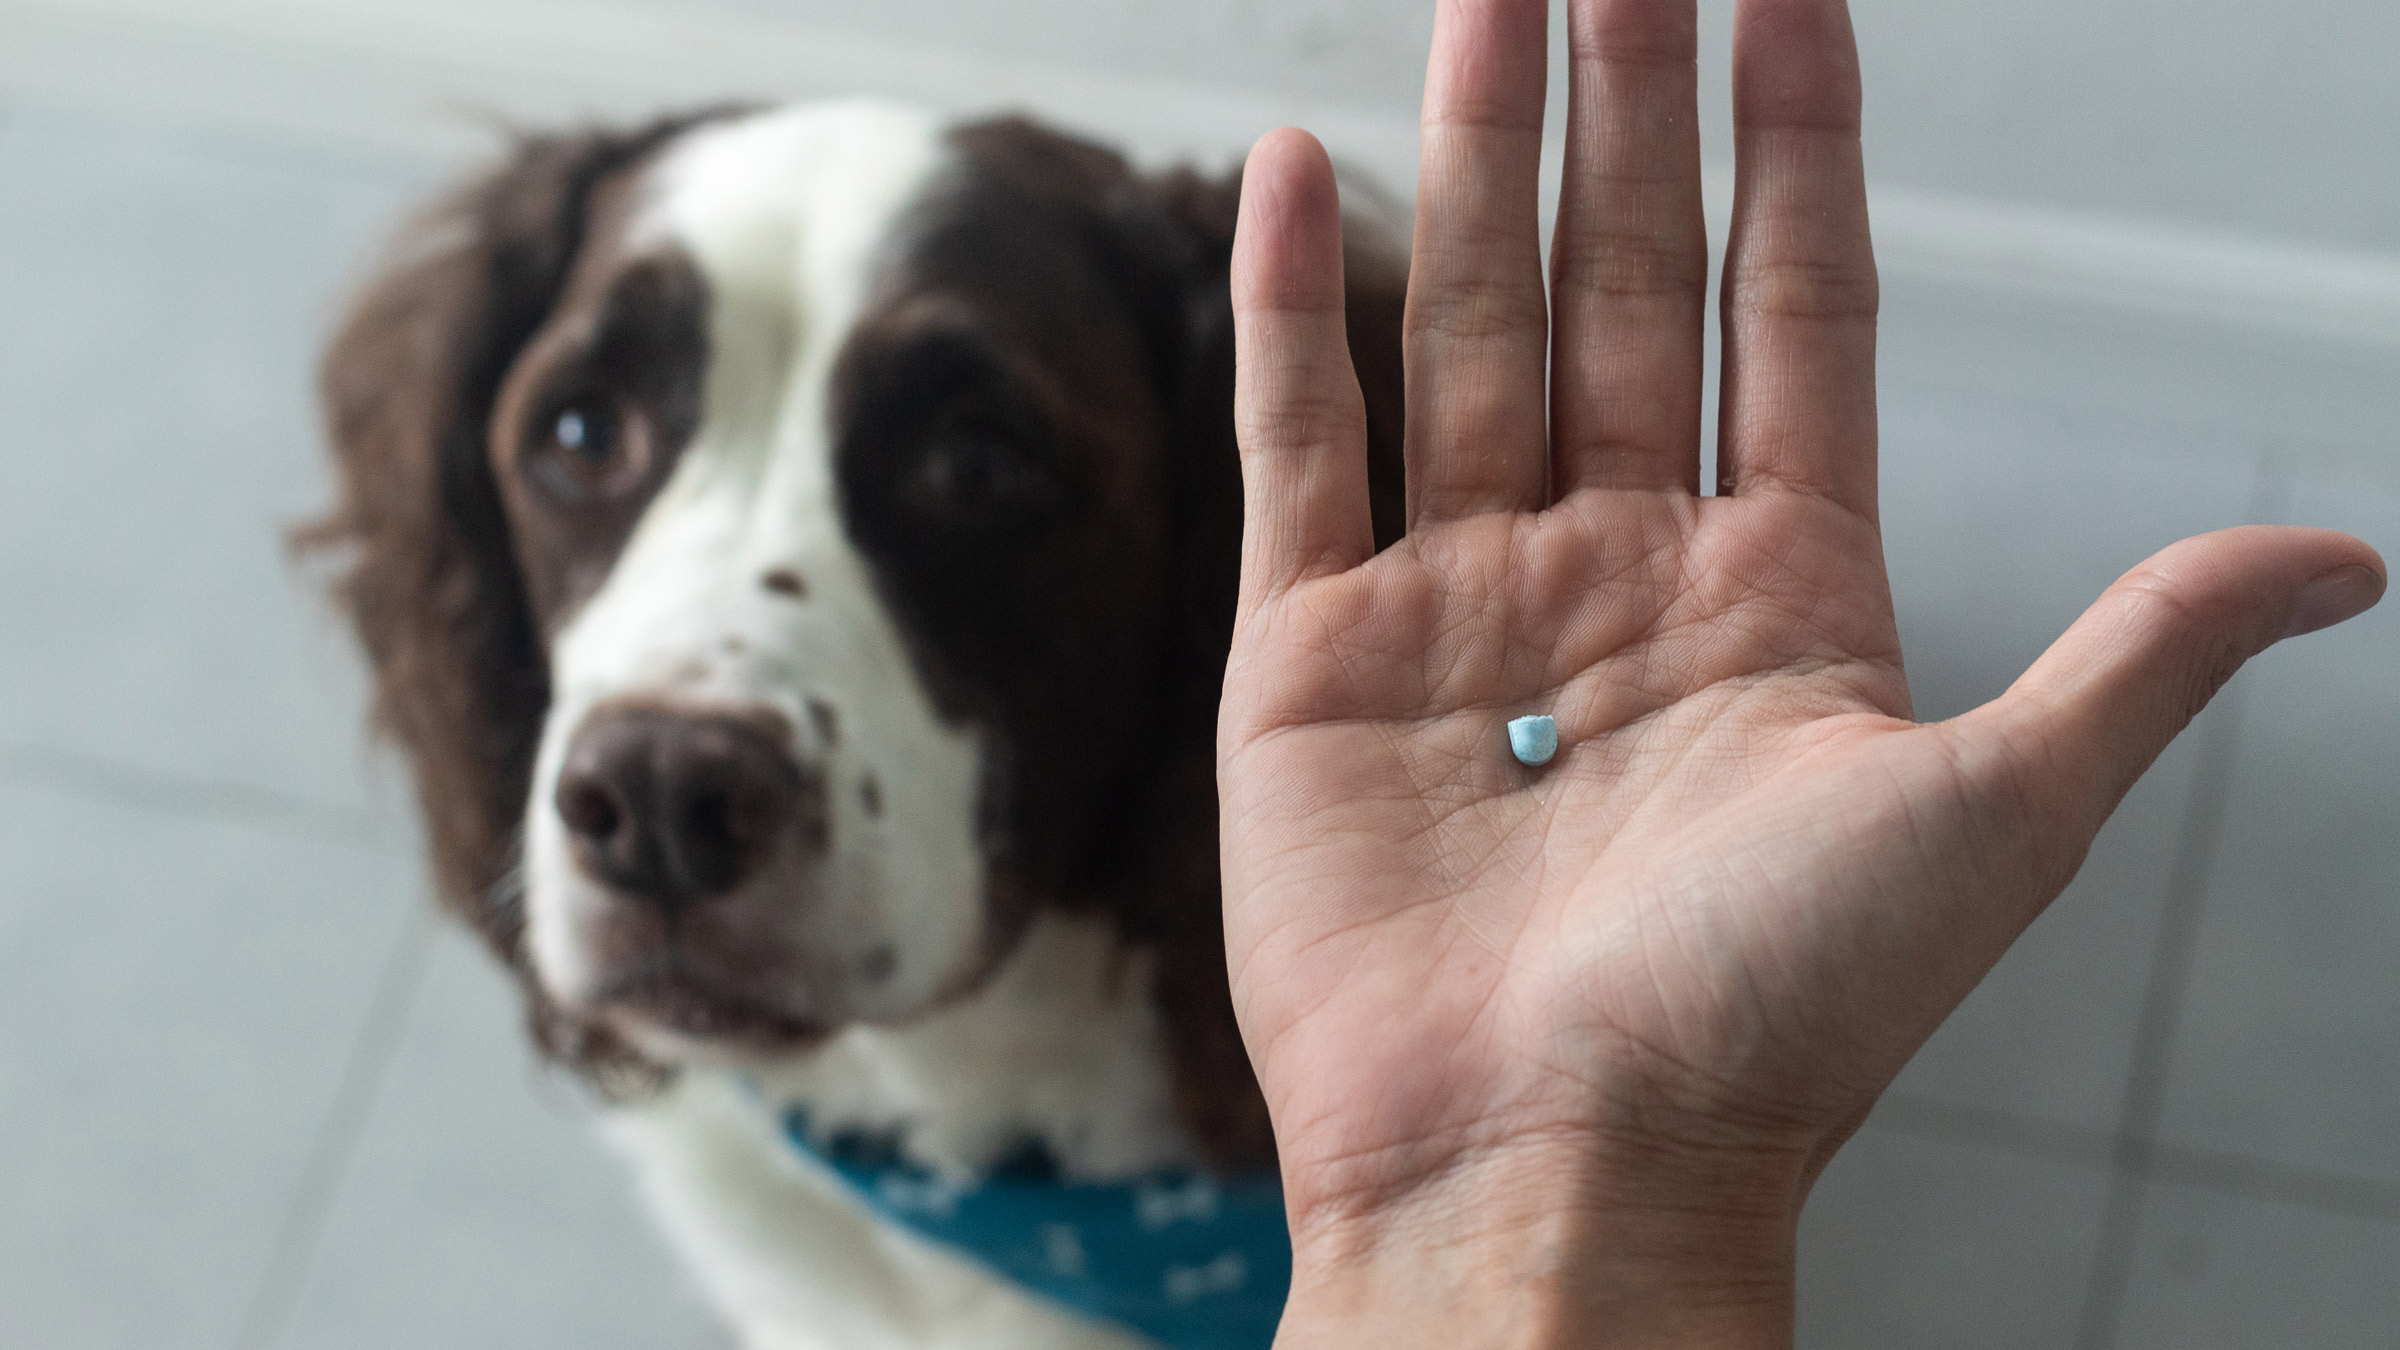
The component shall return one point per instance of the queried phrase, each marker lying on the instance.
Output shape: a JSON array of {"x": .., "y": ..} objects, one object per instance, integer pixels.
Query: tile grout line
[
  {"x": 2301, "y": 1187},
  {"x": 2135, "y": 1154},
  {"x": 1994, "y": 1131},
  {"x": 144, "y": 788},
  {"x": 328, "y": 1163},
  {"x": 2225, "y": 1173}
]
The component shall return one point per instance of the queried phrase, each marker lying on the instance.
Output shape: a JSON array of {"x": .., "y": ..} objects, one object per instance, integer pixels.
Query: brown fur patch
[
  {"x": 1057, "y": 302},
  {"x": 431, "y": 582}
]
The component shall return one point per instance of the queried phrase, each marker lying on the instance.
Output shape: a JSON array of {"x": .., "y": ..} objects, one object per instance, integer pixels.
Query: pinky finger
[{"x": 1298, "y": 414}]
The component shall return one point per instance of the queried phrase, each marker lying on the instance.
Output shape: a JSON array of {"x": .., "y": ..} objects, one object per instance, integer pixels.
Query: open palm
[{"x": 1706, "y": 935}]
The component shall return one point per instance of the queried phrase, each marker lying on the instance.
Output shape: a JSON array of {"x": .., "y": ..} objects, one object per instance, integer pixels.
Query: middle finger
[
  {"x": 1477, "y": 328},
  {"x": 1630, "y": 261}
]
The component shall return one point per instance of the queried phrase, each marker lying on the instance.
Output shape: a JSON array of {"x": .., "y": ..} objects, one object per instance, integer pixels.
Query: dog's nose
[{"x": 674, "y": 808}]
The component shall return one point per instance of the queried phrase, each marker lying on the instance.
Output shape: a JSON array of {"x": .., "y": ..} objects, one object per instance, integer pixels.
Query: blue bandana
[{"x": 1192, "y": 1261}]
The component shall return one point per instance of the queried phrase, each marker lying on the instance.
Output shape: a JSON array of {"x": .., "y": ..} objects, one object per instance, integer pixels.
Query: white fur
[
  {"x": 797, "y": 1264},
  {"x": 784, "y": 213},
  {"x": 1061, "y": 1044}
]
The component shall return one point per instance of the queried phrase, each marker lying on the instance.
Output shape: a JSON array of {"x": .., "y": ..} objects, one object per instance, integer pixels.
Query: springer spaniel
[{"x": 797, "y": 550}]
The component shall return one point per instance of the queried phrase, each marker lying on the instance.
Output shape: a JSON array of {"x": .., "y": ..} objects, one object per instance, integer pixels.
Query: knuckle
[
  {"x": 1817, "y": 289},
  {"x": 1299, "y": 421},
  {"x": 2200, "y": 635},
  {"x": 1477, "y": 313},
  {"x": 1487, "y": 117},
  {"x": 1615, "y": 264},
  {"x": 1633, "y": 35}
]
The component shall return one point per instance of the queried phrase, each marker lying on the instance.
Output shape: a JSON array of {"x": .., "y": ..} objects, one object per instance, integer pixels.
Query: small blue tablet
[{"x": 1534, "y": 740}]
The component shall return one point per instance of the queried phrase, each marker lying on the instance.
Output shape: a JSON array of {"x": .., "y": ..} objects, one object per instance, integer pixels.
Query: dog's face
[
  {"x": 837, "y": 485},
  {"x": 836, "y": 480},
  {"x": 796, "y": 546}
]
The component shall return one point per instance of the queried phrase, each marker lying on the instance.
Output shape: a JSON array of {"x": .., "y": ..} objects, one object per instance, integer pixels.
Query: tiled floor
[
  {"x": 535, "y": 1246},
  {"x": 251, "y": 1100}
]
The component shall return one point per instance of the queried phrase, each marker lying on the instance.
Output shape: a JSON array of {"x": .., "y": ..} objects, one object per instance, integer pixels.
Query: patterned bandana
[{"x": 1192, "y": 1261}]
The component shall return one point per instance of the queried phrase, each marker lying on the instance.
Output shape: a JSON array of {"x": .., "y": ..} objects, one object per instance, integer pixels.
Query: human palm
[
  {"x": 1749, "y": 886},
  {"x": 1451, "y": 900}
]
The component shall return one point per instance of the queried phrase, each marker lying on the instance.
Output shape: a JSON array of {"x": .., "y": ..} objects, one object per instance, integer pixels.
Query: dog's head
[{"x": 796, "y": 545}]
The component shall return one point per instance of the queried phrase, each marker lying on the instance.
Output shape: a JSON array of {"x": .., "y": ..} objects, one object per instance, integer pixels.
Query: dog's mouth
[{"x": 665, "y": 994}]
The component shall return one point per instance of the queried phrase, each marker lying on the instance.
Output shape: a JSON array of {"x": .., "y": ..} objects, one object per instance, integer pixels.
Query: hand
[{"x": 1556, "y": 1053}]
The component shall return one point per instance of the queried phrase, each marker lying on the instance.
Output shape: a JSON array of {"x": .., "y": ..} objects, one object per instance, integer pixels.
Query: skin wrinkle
[
  {"x": 1414, "y": 803},
  {"x": 1448, "y": 1144},
  {"x": 1606, "y": 674},
  {"x": 2040, "y": 828},
  {"x": 1451, "y": 643},
  {"x": 1463, "y": 864},
  {"x": 1814, "y": 71},
  {"x": 1492, "y": 323},
  {"x": 1461, "y": 132},
  {"x": 1295, "y": 424},
  {"x": 1544, "y": 820},
  {"x": 1456, "y": 1142},
  {"x": 1681, "y": 939},
  {"x": 1342, "y": 938},
  {"x": 1400, "y": 1087},
  {"x": 1878, "y": 896},
  {"x": 1663, "y": 48},
  {"x": 1544, "y": 817},
  {"x": 1758, "y": 587},
  {"x": 1631, "y": 265},
  {"x": 2202, "y": 678},
  {"x": 1546, "y": 564},
  {"x": 1326, "y": 883},
  {"x": 1360, "y": 663},
  {"x": 1680, "y": 944},
  {"x": 1774, "y": 288}
]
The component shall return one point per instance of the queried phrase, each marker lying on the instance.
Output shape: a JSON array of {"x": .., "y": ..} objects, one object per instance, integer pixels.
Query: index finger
[{"x": 1299, "y": 417}]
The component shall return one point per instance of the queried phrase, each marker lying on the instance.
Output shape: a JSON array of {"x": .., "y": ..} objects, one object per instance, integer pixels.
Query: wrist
[{"x": 1630, "y": 1251}]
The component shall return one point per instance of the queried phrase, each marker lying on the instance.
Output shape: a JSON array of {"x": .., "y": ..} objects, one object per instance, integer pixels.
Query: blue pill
[{"x": 1534, "y": 739}]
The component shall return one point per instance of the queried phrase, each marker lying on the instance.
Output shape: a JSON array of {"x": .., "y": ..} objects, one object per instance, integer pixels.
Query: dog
[{"x": 796, "y": 549}]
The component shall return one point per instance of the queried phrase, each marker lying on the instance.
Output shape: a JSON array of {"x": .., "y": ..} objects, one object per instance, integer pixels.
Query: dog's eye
[
  {"x": 593, "y": 448},
  {"x": 981, "y": 479},
  {"x": 589, "y": 437}
]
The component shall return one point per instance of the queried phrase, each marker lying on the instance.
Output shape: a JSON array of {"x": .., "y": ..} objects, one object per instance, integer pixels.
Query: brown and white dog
[{"x": 797, "y": 549}]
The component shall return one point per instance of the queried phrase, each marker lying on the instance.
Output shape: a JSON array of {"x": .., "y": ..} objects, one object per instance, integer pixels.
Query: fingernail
[{"x": 2344, "y": 593}]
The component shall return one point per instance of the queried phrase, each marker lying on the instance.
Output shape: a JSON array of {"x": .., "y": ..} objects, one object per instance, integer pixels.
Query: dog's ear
[
  {"x": 429, "y": 578},
  {"x": 1375, "y": 271}
]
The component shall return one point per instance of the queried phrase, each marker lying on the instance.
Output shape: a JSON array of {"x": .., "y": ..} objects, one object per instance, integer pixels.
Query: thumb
[{"x": 2141, "y": 663}]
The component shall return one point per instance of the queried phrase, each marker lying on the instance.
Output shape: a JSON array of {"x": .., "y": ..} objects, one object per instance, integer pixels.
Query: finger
[
  {"x": 1800, "y": 291},
  {"x": 1477, "y": 327},
  {"x": 1629, "y": 262},
  {"x": 2141, "y": 663},
  {"x": 1298, "y": 415}
]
